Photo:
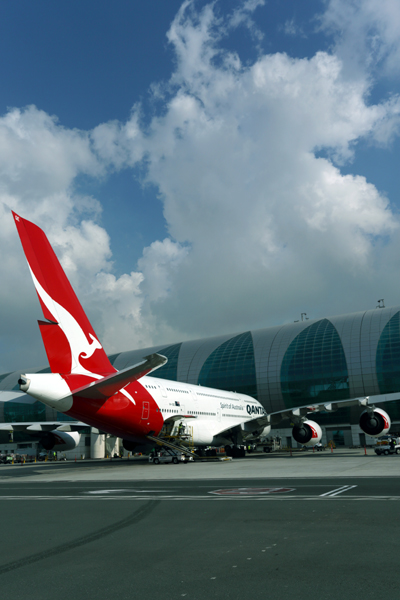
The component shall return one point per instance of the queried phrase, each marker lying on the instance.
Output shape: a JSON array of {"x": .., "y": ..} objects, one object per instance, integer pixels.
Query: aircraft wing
[
  {"x": 298, "y": 414},
  {"x": 249, "y": 427},
  {"x": 106, "y": 387}
]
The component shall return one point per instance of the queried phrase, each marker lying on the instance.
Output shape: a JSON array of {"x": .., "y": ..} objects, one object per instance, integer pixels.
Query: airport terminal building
[{"x": 321, "y": 360}]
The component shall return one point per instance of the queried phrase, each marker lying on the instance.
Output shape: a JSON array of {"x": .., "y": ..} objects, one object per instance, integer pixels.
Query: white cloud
[
  {"x": 38, "y": 156},
  {"x": 265, "y": 220},
  {"x": 40, "y": 161},
  {"x": 241, "y": 16},
  {"x": 292, "y": 28},
  {"x": 367, "y": 34},
  {"x": 159, "y": 263},
  {"x": 113, "y": 141}
]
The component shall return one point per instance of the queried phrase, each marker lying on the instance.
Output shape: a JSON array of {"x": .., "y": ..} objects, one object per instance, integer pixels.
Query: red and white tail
[{"x": 69, "y": 339}]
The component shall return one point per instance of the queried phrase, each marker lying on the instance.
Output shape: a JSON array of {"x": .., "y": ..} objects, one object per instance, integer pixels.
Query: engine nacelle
[
  {"x": 60, "y": 440},
  {"x": 375, "y": 423},
  {"x": 308, "y": 433}
]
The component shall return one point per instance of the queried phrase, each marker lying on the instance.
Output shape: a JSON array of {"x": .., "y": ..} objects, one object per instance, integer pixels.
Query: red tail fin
[{"x": 70, "y": 341}]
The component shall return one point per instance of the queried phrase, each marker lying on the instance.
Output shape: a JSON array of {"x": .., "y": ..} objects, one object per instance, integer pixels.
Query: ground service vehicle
[
  {"x": 387, "y": 445},
  {"x": 167, "y": 455}
]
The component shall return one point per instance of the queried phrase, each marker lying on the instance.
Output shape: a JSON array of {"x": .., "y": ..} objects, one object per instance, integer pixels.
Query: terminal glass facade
[
  {"x": 62, "y": 417},
  {"x": 314, "y": 367},
  {"x": 231, "y": 366},
  {"x": 170, "y": 370},
  {"x": 388, "y": 357},
  {"x": 18, "y": 412}
]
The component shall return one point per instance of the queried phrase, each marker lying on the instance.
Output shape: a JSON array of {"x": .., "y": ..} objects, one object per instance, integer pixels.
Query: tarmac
[
  {"x": 338, "y": 463},
  {"x": 321, "y": 525}
]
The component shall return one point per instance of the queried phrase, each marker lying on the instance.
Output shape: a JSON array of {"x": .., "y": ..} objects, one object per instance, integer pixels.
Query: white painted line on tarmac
[
  {"x": 204, "y": 498},
  {"x": 119, "y": 491},
  {"x": 248, "y": 491},
  {"x": 103, "y": 492},
  {"x": 344, "y": 488}
]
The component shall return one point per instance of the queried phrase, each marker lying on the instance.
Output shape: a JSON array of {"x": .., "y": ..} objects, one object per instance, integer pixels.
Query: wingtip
[{"x": 156, "y": 358}]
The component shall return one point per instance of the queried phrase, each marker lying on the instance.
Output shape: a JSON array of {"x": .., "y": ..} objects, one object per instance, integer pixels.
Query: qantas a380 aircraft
[{"x": 129, "y": 404}]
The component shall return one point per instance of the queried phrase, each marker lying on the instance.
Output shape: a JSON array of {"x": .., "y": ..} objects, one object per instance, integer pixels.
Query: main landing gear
[{"x": 235, "y": 451}]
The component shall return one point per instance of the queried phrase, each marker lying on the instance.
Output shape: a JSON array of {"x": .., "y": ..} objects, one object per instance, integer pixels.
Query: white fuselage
[{"x": 206, "y": 412}]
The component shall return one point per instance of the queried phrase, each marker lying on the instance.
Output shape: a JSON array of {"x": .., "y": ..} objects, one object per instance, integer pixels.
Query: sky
[{"x": 200, "y": 168}]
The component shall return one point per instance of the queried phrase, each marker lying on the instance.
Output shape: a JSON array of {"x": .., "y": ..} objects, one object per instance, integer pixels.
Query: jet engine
[
  {"x": 375, "y": 423},
  {"x": 60, "y": 440},
  {"x": 307, "y": 433}
]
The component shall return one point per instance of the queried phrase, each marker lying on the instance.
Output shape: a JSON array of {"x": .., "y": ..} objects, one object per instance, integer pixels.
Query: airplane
[{"x": 130, "y": 404}]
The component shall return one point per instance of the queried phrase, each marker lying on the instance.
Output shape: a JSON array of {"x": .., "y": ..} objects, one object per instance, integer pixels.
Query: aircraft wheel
[{"x": 238, "y": 452}]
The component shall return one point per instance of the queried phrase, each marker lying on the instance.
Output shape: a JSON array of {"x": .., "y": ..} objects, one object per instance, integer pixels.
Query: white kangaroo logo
[
  {"x": 77, "y": 340},
  {"x": 73, "y": 332}
]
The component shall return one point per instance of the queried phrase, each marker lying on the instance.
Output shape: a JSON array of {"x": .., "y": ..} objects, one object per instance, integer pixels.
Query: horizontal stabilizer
[
  {"x": 30, "y": 427},
  {"x": 106, "y": 387},
  {"x": 38, "y": 427}
]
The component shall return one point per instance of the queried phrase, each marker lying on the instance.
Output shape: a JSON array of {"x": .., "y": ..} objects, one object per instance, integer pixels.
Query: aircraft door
[
  {"x": 218, "y": 414},
  {"x": 163, "y": 391},
  {"x": 145, "y": 409}
]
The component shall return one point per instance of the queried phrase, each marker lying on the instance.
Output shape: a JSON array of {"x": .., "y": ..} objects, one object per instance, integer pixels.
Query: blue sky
[
  {"x": 201, "y": 168},
  {"x": 88, "y": 62}
]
